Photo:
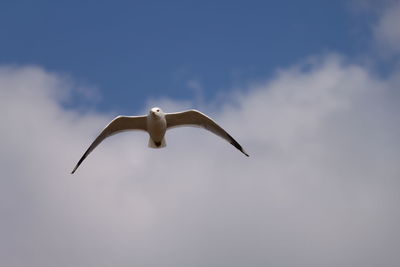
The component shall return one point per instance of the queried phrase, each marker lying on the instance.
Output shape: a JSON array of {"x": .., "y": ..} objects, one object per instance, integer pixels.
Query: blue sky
[{"x": 135, "y": 50}]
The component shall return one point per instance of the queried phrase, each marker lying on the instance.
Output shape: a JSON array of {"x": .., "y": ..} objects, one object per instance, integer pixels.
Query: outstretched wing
[
  {"x": 196, "y": 118},
  {"x": 117, "y": 125}
]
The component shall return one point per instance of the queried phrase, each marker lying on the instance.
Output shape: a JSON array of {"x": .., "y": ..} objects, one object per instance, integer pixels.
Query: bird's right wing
[
  {"x": 117, "y": 125},
  {"x": 196, "y": 118}
]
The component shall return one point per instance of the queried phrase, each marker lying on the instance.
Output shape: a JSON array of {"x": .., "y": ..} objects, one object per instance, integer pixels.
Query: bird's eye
[{"x": 158, "y": 110}]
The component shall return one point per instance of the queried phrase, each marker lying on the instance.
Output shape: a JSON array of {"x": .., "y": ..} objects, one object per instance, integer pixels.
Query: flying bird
[{"x": 156, "y": 123}]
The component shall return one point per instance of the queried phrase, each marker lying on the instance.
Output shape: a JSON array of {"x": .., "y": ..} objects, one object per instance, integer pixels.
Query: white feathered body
[{"x": 156, "y": 127}]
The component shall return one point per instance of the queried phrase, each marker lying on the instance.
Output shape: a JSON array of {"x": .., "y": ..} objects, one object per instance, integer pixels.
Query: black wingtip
[
  {"x": 239, "y": 147},
  {"x": 244, "y": 152},
  {"x": 80, "y": 161},
  {"x": 77, "y": 165}
]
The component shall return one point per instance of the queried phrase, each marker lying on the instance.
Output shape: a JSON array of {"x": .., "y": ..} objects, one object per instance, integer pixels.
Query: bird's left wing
[
  {"x": 117, "y": 125},
  {"x": 196, "y": 118}
]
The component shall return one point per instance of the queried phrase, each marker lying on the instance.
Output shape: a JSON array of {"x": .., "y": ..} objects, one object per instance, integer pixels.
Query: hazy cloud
[
  {"x": 387, "y": 30},
  {"x": 319, "y": 189}
]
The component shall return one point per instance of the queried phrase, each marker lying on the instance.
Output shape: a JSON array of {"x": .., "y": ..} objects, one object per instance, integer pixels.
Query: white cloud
[{"x": 319, "y": 189}]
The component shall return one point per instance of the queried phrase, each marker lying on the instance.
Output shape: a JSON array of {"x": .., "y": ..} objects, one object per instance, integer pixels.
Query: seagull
[{"x": 156, "y": 123}]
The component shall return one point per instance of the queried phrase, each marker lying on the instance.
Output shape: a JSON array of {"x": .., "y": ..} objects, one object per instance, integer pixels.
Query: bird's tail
[{"x": 154, "y": 144}]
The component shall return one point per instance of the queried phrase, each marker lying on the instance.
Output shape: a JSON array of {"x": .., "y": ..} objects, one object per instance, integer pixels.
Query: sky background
[
  {"x": 309, "y": 88},
  {"x": 134, "y": 50}
]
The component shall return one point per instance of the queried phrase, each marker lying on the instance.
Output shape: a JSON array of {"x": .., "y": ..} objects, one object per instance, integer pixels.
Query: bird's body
[
  {"x": 156, "y": 123},
  {"x": 156, "y": 127}
]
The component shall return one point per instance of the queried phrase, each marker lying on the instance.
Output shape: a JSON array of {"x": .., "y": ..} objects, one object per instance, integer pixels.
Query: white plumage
[{"x": 156, "y": 124}]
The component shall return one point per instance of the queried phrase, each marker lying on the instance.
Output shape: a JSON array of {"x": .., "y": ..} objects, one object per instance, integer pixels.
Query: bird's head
[{"x": 156, "y": 112}]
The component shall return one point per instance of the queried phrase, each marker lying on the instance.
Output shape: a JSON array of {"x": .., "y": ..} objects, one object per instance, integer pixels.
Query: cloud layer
[{"x": 320, "y": 187}]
